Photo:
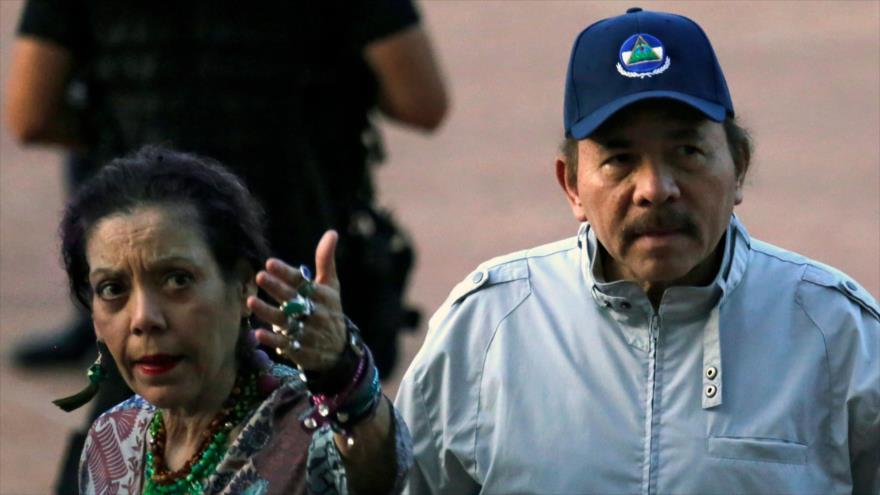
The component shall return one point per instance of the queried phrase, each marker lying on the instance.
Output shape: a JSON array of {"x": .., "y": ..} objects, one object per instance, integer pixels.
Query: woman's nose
[{"x": 146, "y": 312}]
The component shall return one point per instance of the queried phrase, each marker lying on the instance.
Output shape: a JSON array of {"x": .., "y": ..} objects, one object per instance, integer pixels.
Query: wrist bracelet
[{"x": 356, "y": 402}]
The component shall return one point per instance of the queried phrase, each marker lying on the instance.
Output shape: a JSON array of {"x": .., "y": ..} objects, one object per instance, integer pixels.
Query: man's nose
[
  {"x": 146, "y": 312},
  {"x": 655, "y": 184}
]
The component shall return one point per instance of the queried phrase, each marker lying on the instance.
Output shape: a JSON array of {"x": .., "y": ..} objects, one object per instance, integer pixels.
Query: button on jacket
[{"x": 537, "y": 376}]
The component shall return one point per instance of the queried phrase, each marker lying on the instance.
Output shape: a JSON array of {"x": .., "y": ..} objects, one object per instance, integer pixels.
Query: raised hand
[{"x": 323, "y": 334}]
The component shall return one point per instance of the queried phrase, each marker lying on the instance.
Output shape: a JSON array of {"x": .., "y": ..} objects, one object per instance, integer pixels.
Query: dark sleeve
[
  {"x": 372, "y": 20},
  {"x": 59, "y": 21}
]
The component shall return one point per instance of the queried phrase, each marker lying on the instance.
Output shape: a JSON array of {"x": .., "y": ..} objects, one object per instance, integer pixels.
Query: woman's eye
[
  {"x": 109, "y": 290},
  {"x": 179, "y": 280}
]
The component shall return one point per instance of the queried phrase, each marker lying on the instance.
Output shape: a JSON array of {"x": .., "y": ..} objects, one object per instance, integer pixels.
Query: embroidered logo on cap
[{"x": 642, "y": 55}]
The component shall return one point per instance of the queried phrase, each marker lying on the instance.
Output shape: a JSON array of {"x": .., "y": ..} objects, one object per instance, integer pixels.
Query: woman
[{"x": 166, "y": 251}]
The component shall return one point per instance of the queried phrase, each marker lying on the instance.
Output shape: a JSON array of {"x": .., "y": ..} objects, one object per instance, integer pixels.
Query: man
[{"x": 661, "y": 350}]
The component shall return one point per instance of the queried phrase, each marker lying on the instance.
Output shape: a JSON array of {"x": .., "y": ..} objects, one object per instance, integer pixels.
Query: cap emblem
[{"x": 642, "y": 55}]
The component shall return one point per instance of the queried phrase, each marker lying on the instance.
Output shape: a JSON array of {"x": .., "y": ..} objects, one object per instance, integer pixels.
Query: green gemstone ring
[{"x": 297, "y": 307}]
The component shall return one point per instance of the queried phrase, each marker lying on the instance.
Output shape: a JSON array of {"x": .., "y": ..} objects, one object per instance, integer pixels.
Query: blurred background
[{"x": 805, "y": 78}]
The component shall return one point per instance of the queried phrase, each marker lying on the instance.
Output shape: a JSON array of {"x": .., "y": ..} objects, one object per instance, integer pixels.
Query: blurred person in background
[
  {"x": 165, "y": 251},
  {"x": 282, "y": 92},
  {"x": 661, "y": 349}
]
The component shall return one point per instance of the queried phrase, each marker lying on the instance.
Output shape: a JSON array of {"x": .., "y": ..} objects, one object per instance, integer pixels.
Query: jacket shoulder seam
[
  {"x": 840, "y": 278},
  {"x": 815, "y": 324},
  {"x": 484, "y": 359}
]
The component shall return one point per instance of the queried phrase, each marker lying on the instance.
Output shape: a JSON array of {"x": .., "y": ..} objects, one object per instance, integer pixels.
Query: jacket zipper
[{"x": 649, "y": 416}]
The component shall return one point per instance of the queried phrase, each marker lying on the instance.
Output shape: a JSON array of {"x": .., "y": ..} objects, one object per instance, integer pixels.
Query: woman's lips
[{"x": 156, "y": 364}]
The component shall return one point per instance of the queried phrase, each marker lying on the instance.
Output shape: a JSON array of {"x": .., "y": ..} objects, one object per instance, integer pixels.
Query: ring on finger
[
  {"x": 293, "y": 332},
  {"x": 293, "y": 328},
  {"x": 308, "y": 287},
  {"x": 293, "y": 345},
  {"x": 295, "y": 324},
  {"x": 298, "y": 307}
]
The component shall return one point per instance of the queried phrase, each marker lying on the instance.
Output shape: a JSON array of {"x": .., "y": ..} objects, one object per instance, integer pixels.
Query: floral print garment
[{"x": 272, "y": 454}]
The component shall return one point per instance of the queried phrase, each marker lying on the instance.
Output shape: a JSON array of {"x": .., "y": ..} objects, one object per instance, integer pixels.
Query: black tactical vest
[{"x": 272, "y": 89}]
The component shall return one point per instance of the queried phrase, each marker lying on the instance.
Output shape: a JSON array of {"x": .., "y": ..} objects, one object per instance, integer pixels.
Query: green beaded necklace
[{"x": 190, "y": 479}]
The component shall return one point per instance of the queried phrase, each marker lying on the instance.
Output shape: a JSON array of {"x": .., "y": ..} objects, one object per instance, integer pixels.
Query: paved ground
[{"x": 805, "y": 76}]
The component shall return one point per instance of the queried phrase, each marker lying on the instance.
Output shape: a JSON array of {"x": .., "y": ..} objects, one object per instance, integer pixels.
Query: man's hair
[
  {"x": 739, "y": 141},
  {"x": 230, "y": 219}
]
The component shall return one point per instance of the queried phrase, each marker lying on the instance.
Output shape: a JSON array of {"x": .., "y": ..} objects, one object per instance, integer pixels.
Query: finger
[
  {"x": 270, "y": 339},
  {"x": 325, "y": 260},
  {"x": 304, "y": 356},
  {"x": 284, "y": 271},
  {"x": 266, "y": 312},
  {"x": 274, "y": 286},
  {"x": 282, "y": 343},
  {"x": 294, "y": 277}
]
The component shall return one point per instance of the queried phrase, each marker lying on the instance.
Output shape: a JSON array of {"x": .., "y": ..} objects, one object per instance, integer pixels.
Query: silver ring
[
  {"x": 308, "y": 286},
  {"x": 293, "y": 345},
  {"x": 279, "y": 330},
  {"x": 295, "y": 328}
]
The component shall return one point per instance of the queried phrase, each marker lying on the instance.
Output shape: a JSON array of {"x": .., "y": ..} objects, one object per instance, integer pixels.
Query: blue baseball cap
[{"x": 639, "y": 55}]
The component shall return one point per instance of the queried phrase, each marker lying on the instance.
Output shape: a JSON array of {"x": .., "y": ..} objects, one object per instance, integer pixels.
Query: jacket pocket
[{"x": 757, "y": 449}]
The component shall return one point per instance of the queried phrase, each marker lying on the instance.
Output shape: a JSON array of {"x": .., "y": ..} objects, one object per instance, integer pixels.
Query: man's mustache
[{"x": 664, "y": 220}]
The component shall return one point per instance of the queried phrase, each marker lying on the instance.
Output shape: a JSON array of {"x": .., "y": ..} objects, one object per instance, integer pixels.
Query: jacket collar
[{"x": 677, "y": 301}]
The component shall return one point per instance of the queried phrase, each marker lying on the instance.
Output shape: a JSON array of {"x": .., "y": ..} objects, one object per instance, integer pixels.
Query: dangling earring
[
  {"x": 96, "y": 375},
  {"x": 251, "y": 353}
]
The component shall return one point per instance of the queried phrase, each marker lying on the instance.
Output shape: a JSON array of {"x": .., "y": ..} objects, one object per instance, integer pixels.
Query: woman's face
[{"x": 164, "y": 310}]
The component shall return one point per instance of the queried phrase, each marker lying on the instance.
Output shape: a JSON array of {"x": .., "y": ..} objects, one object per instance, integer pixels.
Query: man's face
[{"x": 658, "y": 185}]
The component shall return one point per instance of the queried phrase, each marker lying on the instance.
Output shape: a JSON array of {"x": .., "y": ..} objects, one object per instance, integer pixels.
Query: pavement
[{"x": 805, "y": 78}]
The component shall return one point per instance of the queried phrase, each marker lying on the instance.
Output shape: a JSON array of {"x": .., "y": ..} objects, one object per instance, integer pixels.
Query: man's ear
[
  {"x": 570, "y": 189},
  {"x": 742, "y": 167},
  {"x": 738, "y": 194}
]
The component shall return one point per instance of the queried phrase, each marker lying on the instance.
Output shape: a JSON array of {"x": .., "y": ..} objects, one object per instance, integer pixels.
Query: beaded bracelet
[{"x": 356, "y": 402}]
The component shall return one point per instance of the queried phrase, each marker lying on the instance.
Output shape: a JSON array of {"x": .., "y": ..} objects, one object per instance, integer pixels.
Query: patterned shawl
[{"x": 272, "y": 454}]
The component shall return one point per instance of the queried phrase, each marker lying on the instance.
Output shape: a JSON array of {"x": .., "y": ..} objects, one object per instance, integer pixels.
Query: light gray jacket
[{"x": 538, "y": 377}]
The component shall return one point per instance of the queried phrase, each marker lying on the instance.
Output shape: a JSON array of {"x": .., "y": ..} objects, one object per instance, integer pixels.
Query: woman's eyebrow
[
  {"x": 170, "y": 260},
  {"x": 102, "y": 272},
  {"x": 157, "y": 263}
]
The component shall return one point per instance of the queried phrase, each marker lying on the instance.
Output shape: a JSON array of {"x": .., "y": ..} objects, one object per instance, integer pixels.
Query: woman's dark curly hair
[{"x": 232, "y": 221}]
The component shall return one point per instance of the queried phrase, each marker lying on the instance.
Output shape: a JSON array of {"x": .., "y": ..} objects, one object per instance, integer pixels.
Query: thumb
[{"x": 325, "y": 260}]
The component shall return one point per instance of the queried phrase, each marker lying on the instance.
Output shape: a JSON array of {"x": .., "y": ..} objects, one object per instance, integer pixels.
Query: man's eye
[
  {"x": 688, "y": 150},
  {"x": 109, "y": 290},
  {"x": 621, "y": 160},
  {"x": 179, "y": 280}
]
